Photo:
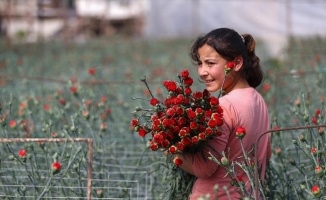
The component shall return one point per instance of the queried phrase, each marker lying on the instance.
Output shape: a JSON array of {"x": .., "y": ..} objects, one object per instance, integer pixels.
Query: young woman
[{"x": 242, "y": 106}]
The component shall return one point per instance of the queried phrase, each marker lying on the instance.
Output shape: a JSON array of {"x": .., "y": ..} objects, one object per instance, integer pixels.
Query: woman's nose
[{"x": 202, "y": 71}]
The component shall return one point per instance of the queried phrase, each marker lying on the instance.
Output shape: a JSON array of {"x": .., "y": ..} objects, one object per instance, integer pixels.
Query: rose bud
[
  {"x": 224, "y": 161},
  {"x": 316, "y": 191},
  {"x": 314, "y": 150},
  {"x": 278, "y": 151},
  {"x": 319, "y": 171},
  {"x": 241, "y": 132},
  {"x": 302, "y": 138},
  {"x": 56, "y": 168},
  {"x": 99, "y": 193},
  {"x": 22, "y": 154}
]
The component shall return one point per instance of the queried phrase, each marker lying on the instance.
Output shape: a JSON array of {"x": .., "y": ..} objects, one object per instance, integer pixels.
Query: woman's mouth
[{"x": 208, "y": 81}]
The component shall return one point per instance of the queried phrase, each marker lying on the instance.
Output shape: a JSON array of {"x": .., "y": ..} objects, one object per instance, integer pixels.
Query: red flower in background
[
  {"x": 91, "y": 71},
  {"x": 12, "y": 124},
  {"x": 313, "y": 150},
  {"x": 314, "y": 120},
  {"x": 73, "y": 89},
  {"x": 316, "y": 191},
  {"x": 56, "y": 167},
  {"x": 22, "y": 153},
  {"x": 46, "y": 107},
  {"x": 62, "y": 101}
]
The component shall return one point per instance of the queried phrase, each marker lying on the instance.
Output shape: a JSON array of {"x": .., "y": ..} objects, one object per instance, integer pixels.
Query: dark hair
[{"x": 229, "y": 44}]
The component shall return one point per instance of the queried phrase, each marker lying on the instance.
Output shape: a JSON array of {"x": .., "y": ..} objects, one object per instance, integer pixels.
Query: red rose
[
  {"x": 182, "y": 121},
  {"x": 191, "y": 114},
  {"x": 194, "y": 139},
  {"x": 177, "y": 161},
  {"x": 179, "y": 111},
  {"x": 183, "y": 133},
  {"x": 214, "y": 101},
  {"x": 142, "y": 132},
  {"x": 22, "y": 153},
  {"x": 208, "y": 113},
  {"x": 173, "y": 149},
  {"x": 229, "y": 66},
  {"x": 202, "y": 136},
  {"x": 134, "y": 122},
  {"x": 186, "y": 100},
  {"x": 154, "y": 101},
  {"x": 165, "y": 143},
  {"x": 240, "y": 132},
  {"x": 180, "y": 146},
  {"x": 170, "y": 85},
  {"x": 198, "y": 95},
  {"x": 170, "y": 112},
  {"x": 212, "y": 123},
  {"x": 185, "y": 73},
  {"x": 193, "y": 125},
  {"x": 209, "y": 131},
  {"x": 187, "y": 91},
  {"x": 158, "y": 138},
  {"x": 153, "y": 146},
  {"x": 199, "y": 111},
  {"x": 188, "y": 82},
  {"x": 186, "y": 141}
]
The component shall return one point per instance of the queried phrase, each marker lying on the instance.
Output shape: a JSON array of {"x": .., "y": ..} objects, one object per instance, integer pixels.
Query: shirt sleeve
[{"x": 202, "y": 166}]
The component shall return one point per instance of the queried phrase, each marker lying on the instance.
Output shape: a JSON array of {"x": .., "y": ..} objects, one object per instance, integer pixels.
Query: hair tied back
[{"x": 243, "y": 40}]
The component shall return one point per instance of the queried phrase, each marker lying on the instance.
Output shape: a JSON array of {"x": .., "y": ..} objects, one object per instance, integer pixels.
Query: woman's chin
[{"x": 212, "y": 89}]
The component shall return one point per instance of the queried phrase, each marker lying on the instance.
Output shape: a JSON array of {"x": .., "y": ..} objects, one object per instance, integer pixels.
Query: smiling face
[{"x": 211, "y": 68}]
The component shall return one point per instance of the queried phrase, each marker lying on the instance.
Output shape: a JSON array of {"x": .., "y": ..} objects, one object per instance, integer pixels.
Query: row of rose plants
[{"x": 77, "y": 105}]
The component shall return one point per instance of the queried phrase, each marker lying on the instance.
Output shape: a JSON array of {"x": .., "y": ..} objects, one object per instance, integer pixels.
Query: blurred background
[{"x": 272, "y": 21}]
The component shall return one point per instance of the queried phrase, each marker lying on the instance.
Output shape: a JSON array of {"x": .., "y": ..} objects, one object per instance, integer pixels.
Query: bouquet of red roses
[{"x": 180, "y": 123}]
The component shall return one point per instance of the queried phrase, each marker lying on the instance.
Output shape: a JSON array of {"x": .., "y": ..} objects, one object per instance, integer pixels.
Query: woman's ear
[{"x": 238, "y": 61}]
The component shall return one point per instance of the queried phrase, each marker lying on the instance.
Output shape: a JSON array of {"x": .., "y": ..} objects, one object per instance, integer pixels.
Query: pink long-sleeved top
[{"x": 241, "y": 107}]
